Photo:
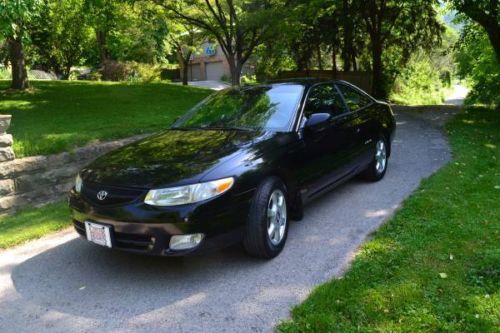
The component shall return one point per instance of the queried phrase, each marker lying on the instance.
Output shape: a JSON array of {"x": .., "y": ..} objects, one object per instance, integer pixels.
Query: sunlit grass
[
  {"x": 56, "y": 116},
  {"x": 33, "y": 223},
  {"x": 435, "y": 266}
]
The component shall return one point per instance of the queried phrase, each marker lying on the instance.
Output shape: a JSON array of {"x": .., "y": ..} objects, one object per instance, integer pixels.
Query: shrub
[
  {"x": 130, "y": 71},
  {"x": 144, "y": 72},
  {"x": 115, "y": 71},
  {"x": 248, "y": 79},
  {"x": 95, "y": 76},
  {"x": 170, "y": 74},
  {"x": 418, "y": 83}
]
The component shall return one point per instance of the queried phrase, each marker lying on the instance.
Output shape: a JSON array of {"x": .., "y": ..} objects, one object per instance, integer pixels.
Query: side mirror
[{"x": 317, "y": 122}]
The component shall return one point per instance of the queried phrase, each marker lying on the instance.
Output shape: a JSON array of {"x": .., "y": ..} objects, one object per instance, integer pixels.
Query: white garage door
[{"x": 214, "y": 70}]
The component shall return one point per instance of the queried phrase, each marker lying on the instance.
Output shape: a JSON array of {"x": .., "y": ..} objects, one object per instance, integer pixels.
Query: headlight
[
  {"x": 188, "y": 194},
  {"x": 78, "y": 184}
]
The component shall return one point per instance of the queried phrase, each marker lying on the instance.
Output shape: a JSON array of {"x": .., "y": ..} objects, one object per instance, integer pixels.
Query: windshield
[{"x": 251, "y": 108}]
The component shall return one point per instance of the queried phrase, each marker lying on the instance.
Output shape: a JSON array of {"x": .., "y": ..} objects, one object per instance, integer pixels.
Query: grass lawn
[
  {"x": 33, "y": 223},
  {"x": 435, "y": 266},
  {"x": 59, "y": 115}
]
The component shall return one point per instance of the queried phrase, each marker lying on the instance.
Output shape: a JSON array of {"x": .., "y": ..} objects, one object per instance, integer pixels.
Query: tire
[
  {"x": 259, "y": 241},
  {"x": 378, "y": 166}
]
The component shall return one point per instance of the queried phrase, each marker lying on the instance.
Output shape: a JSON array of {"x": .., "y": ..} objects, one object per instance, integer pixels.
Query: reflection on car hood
[{"x": 170, "y": 158}]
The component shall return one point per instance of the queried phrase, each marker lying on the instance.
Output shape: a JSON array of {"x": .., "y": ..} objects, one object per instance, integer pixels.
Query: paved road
[
  {"x": 63, "y": 284},
  {"x": 457, "y": 95}
]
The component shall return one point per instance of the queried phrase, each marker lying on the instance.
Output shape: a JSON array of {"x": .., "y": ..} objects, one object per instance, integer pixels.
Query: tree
[
  {"x": 404, "y": 24},
  {"x": 60, "y": 37},
  {"x": 238, "y": 26},
  {"x": 185, "y": 41},
  {"x": 15, "y": 15},
  {"x": 102, "y": 16},
  {"x": 476, "y": 62},
  {"x": 486, "y": 14},
  {"x": 139, "y": 33}
]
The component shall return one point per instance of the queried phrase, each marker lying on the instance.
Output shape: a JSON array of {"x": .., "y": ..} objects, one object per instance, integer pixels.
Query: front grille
[
  {"x": 131, "y": 242},
  {"x": 115, "y": 195}
]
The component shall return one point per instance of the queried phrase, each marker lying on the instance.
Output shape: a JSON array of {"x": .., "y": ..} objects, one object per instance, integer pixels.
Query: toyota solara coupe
[{"x": 234, "y": 169}]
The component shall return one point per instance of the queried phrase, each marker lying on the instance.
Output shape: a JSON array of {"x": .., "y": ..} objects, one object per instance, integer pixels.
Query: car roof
[
  {"x": 304, "y": 81},
  {"x": 307, "y": 82}
]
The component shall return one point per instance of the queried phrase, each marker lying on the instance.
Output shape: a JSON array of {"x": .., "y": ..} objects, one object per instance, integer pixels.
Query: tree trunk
[
  {"x": 235, "y": 69},
  {"x": 354, "y": 62},
  {"x": 19, "y": 73},
  {"x": 101, "y": 39},
  {"x": 66, "y": 73},
  {"x": 184, "y": 62},
  {"x": 185, "y": 74},
  {"x": 494, "y": 36},
  {"x": 334, "y": 62},
  {"x": 320, "y": 59},
  {"x": 378, "y": 82},
  {"x": 347, "y": 49}
]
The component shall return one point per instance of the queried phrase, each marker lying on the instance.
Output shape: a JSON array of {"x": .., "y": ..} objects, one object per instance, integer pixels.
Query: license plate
[{"x": 98, "y": 233}]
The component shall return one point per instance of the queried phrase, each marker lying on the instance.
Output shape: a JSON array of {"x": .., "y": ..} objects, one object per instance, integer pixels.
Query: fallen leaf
[{"x": 443, "y": 275}]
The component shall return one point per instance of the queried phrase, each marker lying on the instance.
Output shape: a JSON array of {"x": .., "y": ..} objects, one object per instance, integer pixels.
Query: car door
[
  {"x": 329, "y": 151},
  {"x": 360, "y": 107}
]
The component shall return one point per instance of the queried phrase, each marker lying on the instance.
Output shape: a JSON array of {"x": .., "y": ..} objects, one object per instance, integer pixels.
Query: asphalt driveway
[{"x": 64, "y": 284}]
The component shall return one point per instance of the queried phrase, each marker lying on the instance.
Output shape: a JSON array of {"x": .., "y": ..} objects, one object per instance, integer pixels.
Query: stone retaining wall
[
  {"x": 6, "y": 152},
  {"x": 37, "y": 180}
]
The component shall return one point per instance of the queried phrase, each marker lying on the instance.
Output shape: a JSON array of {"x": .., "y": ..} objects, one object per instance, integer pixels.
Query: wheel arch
[{"x": 295, "y": 205}]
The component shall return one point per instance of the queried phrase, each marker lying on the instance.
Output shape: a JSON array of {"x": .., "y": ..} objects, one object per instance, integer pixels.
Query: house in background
[{"x": 211, "y": 64}]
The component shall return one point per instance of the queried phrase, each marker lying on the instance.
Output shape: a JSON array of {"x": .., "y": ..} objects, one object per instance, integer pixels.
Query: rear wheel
[
  {"x": 377, "y": 168},
  {"x": 267, "y": 225}
]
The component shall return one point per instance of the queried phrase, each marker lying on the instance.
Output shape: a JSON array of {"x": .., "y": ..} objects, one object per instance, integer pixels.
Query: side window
[
  {"x": 354, "y": 99},
  {"x": 324, "y": 99}
]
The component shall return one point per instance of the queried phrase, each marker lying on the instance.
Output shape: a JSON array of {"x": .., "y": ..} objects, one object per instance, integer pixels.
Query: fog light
[{"x": 185, "y": 242}]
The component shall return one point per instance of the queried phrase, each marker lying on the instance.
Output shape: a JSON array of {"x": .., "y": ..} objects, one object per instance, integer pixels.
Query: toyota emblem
[{"x": 101, "y": 195}]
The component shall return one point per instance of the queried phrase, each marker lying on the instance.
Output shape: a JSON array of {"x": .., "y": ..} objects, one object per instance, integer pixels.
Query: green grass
[
  {"x": 56, "y": 116},
  {"x": 33, "y": 223},
  {"x": 435, "y": 266}
]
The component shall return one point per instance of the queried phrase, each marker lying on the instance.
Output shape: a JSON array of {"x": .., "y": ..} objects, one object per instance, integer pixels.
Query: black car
[{"x": 234, "y": 169}]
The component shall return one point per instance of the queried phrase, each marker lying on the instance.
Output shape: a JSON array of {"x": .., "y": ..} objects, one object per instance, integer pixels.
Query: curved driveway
[{"x": 63, "y": 284}]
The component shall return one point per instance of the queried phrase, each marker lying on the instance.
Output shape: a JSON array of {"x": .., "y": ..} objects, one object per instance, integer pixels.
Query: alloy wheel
[
  {"x": 380, "y": 156},
  {"x": 276, "y": 217}
]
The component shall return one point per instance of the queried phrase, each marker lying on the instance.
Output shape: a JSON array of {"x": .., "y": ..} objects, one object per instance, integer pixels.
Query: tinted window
[
  {"x": 269, "y": 107},
  {"x": 324, "y": 99},
  {"x": 354, "y": 99}
]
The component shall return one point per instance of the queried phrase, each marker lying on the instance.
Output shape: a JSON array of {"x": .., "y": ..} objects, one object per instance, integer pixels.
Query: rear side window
[
  {"x": 354, "y": 99},
  {"x": 324, "y": 99}
]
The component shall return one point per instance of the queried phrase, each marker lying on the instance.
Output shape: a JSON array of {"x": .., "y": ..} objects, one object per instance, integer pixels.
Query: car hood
[{"x": 170, "y": 158}]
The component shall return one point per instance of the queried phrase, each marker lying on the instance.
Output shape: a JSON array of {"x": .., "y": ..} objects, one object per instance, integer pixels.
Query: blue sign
[{"x": 210, "y": 50}]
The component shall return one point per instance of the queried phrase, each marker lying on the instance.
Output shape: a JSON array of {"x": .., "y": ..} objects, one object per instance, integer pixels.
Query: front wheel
[
  {"x": 267, "y": 225},
  {"x": 377, "y": 168}
]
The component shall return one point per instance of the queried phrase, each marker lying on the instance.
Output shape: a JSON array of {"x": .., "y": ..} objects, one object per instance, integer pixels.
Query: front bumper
[{"x": 140, "y": 228}]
